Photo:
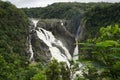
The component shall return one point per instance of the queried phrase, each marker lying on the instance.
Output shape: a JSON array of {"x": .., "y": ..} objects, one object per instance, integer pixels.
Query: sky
[{"x": 43, "y": 3}]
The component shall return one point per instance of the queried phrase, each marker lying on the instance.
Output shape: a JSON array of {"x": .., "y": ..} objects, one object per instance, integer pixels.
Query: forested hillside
[
  {"x": 98, "y": 17},
  {"x": 13, "y": 31},
  {"x": 62, "y": 10}
]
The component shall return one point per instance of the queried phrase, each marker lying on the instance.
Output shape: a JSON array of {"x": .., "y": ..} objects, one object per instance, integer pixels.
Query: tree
[
  {"x": 57, "y": 71},
  {"x": 102, "y": 54}
]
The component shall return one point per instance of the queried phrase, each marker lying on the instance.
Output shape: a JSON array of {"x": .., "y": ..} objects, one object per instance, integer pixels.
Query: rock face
[
  {"x": 37, "y": 49},
  {"x": 62, "y": 30},
  {"x": 41, "y": 51}
]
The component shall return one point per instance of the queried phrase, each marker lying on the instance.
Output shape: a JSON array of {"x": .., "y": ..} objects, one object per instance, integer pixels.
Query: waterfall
[
  {"x": 76, "y": 50},
  {"x": 54, "y": 44},
  {"x": 35, "y": 21},
  {"x": 56, "y": 48},
  {"x": 75, "y": 53},
  {"x": 31, "y": 51},
  {"x": 78, "y": 32}
]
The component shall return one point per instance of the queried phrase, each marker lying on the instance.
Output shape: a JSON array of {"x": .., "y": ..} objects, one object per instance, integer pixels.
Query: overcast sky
[{"x": 43, "y": 3}]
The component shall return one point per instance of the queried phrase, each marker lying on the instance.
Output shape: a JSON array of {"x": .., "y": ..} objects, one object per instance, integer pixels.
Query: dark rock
[{"x": 40, "y": 49}]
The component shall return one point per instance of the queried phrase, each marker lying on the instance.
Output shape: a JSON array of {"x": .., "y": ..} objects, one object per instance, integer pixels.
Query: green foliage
[
  {"x": 110, "y": 33},
  {"x": 52, "y": 71},
  {"x": 40, "y": 76},
  {"x": 102, "y": 54},
  {"x": 101, "y": 16},
  {"x": 13, "y": 29},
  {"x": 57, "y": 71}
]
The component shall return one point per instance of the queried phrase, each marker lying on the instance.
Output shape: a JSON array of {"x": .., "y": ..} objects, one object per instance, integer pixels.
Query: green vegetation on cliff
[
  {"x": 13, "y": 30},
  {"x": 98, "y": 16}
]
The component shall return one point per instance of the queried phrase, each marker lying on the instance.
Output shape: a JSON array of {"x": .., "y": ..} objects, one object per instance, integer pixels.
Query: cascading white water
[
  {"x": 48, "y": 38},
  {"x": 76, "y": 50},
  {"x": 76, "y": 55},
  {"x": 35, "y": 21},
  {"x": 31, "y": 51}
]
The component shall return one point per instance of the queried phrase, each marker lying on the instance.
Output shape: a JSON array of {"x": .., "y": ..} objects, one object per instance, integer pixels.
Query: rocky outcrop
[{"x": 40, "y": 49}]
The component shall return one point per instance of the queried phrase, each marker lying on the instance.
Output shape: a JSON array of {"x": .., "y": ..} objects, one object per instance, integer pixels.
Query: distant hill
[
  {"x": 98, "y": 17},
  {"x": 61, "y": 10}
]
